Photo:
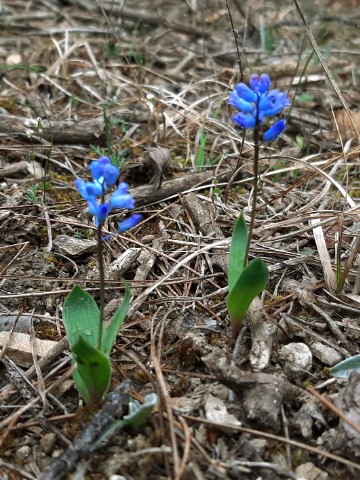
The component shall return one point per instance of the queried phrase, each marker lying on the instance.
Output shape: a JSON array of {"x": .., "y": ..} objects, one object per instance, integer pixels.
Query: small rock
[
  {"x": 216, "y": 411},
  {"x": 75, "y": 247},
  {"x": 22, "y": 325},
  {"x": 47, "y": 443},
  {"x": 305, "y": 418},
  {"x": 184, "y": 404},
  {"x": 22, "y": 453},
  {"x": 63, "y": 388},
  {"x": 352, "y": 329},
  {"x": 308, "y": 471},
  {"x": 260, "y": 445},
  {"x": 297, "y": 357},
  {"x": 327, "y": 355},
  {"x": 262, "y": 405},
  {"x": 14, "y": 58},
  {"x": 19, "y": 348},
  {"x": 34, "y": 168},
  {"x": 56, "y": 453}
]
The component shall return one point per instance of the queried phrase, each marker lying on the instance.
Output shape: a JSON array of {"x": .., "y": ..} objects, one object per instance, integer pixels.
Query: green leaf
[
  {"x": 237, "y": 260},
  {"x": 344, "y": 368},
  {"x": 81, "y": 317},
  {"x": 110, "y": 332},
  {"x": 94, "y": 369},
  {"x": 252, "y": 281},
  {"x": 139, "y": 413}
]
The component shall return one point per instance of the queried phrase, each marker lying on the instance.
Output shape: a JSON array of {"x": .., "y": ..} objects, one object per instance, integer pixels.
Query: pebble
[
  {"x": 308, "y": 471},
  {"x": 327, "y": 355},
  {"x": 297, "y": 357},
  {"x": 47, "y": 443},
  {"x": 22, "y": 453},
  {"x": 20, "y": 347},
  {"x": 22, "y": 325}
]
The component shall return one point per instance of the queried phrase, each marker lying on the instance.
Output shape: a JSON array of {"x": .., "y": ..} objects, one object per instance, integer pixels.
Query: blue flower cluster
[
  {"x": 257, "y": 102},
  {"x": 104, "y": 175}
]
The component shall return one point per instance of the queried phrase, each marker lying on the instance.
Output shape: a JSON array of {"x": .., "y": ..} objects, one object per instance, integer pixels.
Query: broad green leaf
[
  {"x": 94, "y": 369},
  {"x": 81, "y": 317},
  {"x": 344, "y": 368},
  {"x": 110, "y": 332},
  {"x": 237, "y": 259},
  {"x": 252, "y": 281}
]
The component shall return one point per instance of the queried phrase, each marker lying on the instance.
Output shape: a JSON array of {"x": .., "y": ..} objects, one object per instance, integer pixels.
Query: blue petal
[
  {"x": 244, "y": 121},
  {"x": 245, "y": 92},
  {"x": 129, "y": 222},
  {"x": 260, "y": 84},
  {"x": 97, "y": 167},
  {"x": 274, "y": 131},
  {"x": 100, "y": 212},
  {"x": 264, "y": 83},
  {"x": 122, "y": 201},
  {"x": 273, "y": 102},
  {"x": 111, "y": 174},
  {"x": 122, "y": 187},
  {"x": 121, "y": 198},
  {"x": 88, "y": 190},
  {"x": 239, "y": 103},
  {"x": 254, "y": 82},
  {"x": 94, "y": 189},
  {"x": 81, "y": 186}
]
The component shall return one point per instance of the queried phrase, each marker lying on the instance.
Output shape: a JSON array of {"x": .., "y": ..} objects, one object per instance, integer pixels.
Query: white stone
[
  {"x": 19, "y": 348},
  {"x": 308, "y": 471},
  {"x": 327, "y": 355},
  {"x": 216, "y": 411},
  {"x": 297, "y": 357},
  {"x": 22, "y": 453}
]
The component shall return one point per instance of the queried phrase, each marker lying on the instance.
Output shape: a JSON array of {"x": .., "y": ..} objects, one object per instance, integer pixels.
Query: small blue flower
[
  {"x": 104, "y": 172},
  {"x": 121, "y": 198},
  {"x": 97, "y": 167},
  {"x": 99, "y": 211},
  {"x": 245, "y": 92},
  {"x": 274, "y": 131},
  {"x": 244, "y": 121},
  {"x": 260, "y": 84},
  {"x": 129, "y": 222},
  {"x": 257, "y": 102},
  {"x": 236, "y": 101},
  {"x": 273, "y": 102},
  {"x": 104, "y": 175}
]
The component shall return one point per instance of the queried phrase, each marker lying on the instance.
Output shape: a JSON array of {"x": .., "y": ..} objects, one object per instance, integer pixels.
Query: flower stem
[
  {"x": 256, "y": 181},
  {"x": 102, "y": 284}
]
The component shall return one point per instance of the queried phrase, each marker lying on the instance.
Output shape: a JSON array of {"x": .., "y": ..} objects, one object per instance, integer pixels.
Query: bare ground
[{"x": 147, "y": 83}]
